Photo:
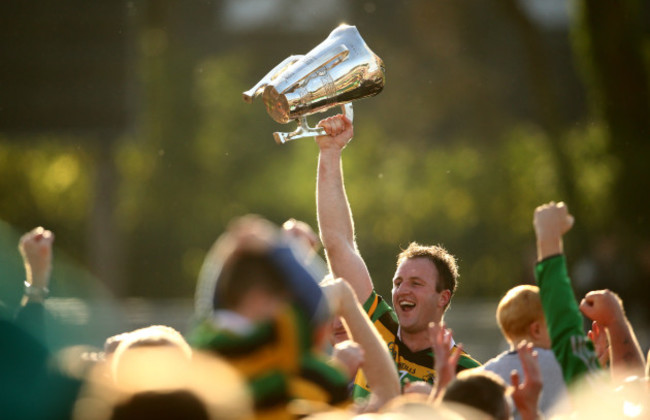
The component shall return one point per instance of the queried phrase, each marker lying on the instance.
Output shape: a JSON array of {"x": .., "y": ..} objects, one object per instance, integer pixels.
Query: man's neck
[{"x": 415, "y": 342}]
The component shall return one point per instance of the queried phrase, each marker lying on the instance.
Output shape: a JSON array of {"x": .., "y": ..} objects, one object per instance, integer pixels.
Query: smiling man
[{"x": 423, "y": 284}]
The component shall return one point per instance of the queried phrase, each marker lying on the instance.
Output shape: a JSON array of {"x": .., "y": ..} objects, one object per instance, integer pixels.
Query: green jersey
[{"x": 572, "y": 348}]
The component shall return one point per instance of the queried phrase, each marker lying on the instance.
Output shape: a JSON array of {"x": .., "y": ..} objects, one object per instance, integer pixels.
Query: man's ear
[{"x": 445, "y": 297}]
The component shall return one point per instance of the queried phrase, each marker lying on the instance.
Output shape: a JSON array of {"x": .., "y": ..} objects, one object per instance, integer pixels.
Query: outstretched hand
[
  {"x": 526, "y": 394},
  {"x": 339, "y": 295},
  {"x": 598, "y": 336},
  {"x": 303, "y": 233},
  {"x": 446, "y": 356},
  {"x": 35, "y": 247},
  {"x": 339, "y": 132}
]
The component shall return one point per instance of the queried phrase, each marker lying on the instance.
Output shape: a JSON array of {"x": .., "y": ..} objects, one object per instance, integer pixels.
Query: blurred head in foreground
[
  {"x": 254, "y": 269},
  {"x": 481, "y": 390},
  {"x": 161, "y": 382}
]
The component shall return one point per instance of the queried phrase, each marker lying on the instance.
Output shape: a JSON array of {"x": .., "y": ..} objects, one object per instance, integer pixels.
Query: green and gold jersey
[
  {"x": 412, "y": 366},
  {"x": 277, "y": 359}
]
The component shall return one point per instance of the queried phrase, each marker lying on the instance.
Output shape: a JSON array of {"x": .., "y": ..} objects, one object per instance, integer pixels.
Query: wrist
[
  {"x": 616, "y": 326},
  {"x": 39, "y": 279},
  {"x": 35, "y": 292},
  {"x": 331, "y": 151},
  {"x": 531, "y": 415},
  {"x": 549, "y": 246}
]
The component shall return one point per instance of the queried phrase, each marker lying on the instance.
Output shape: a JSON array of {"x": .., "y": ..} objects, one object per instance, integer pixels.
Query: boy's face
[{"x": 544, "y": 340}]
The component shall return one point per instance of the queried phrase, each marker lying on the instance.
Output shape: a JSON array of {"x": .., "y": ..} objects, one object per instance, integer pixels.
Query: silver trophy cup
[{"x": 339, "y": 70}]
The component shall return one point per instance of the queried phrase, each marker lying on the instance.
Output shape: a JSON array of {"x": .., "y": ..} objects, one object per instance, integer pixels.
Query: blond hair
[{"x": 520, "y": 307}]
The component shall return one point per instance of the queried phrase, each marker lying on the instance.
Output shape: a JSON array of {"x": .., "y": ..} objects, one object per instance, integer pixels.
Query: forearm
[
  {"x": 334, "y": 214},
  {"x": 336, "y": 225},
  {"x": 625, "y": 353},
  {"x": 378, "y": 366},
  {"x": 571, "y": 347}
]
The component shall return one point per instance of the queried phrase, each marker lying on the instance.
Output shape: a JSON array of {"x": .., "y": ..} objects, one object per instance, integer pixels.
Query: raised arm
[
  {"x": 606, "y": 308},
  {"x": 334, "y": 215},
  {"x": 378, "y": 364},
  {"x": 573, "y": 350},
  {"x": 35, "y": 248}
]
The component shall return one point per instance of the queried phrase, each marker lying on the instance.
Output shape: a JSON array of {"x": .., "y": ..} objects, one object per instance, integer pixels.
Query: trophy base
[{"x": 304, "y": 130}]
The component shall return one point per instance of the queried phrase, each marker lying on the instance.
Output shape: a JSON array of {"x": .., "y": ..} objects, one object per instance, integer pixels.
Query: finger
[
  {"x": 586, "y": 306},
  {"x": 347, "y": 124},
  {"x": 337, "y": 124},
  {"x": 530, "y": 348},
  {"x": 453, "y": 360},
  {"x": 514, "y": 378},
  {"x": 326, "y": 124},
  {"x": 435, "y": 335},
  {"x": 595, "y": 326},
  {"x": 570, "y": 220},
  {"x": 446, "y": 334}
]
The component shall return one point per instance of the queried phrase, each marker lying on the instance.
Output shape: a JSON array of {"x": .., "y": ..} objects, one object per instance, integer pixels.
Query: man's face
[{"x": 415, "y": 298}]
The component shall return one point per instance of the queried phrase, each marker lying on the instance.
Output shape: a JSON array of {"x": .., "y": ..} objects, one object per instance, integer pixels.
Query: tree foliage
[{"x": 483, "y": 117}]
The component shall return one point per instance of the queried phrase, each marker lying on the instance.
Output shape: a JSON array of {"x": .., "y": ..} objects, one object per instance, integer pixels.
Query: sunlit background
[{"x": 123, "y": 130}]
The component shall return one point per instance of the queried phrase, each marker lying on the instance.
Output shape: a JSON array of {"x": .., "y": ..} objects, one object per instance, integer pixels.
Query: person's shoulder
[
  {"x": 466, "y": 361},
  {"x": 498, "y": 360},
  {"x": 376, "y": 307},
  {"x": 546, "y": 357}
]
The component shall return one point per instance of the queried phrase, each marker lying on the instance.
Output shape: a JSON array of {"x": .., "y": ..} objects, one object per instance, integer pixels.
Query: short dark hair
[
  {"x": 445, "y": 264},
  {"x": 174, "y": 404},
  {"x": 479, "y": 389},
  {"x": 245, "y": 272}
]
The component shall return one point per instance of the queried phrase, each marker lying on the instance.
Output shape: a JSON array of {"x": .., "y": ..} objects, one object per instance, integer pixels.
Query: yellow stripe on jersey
[{"x": 282, "y": 354}]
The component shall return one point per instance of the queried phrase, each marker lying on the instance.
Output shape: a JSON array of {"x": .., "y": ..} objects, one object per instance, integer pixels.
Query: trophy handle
[{"x": 304, "y": 130}]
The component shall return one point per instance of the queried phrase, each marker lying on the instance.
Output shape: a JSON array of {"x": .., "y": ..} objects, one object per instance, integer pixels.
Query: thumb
[{"x": 570, "y": 220}]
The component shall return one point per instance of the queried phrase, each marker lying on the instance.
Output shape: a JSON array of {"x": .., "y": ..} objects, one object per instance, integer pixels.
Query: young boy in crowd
[{"x": 521, "y": 317}]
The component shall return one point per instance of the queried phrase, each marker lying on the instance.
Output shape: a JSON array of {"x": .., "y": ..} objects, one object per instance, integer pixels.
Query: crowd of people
[{"x": 279, "y": 333}]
